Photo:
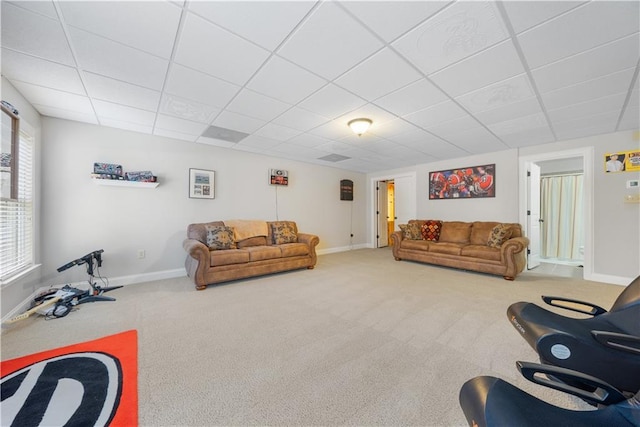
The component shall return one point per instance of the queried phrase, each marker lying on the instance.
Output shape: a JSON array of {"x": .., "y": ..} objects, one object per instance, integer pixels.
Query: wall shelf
[{"x": 122, "y": 183}]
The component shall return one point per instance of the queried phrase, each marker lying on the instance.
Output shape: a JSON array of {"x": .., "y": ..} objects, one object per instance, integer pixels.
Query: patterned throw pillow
[
  {"x": 411, "y": 231},
  {"x": 283, "y": 232},
  {"x": 220, "y": 237},
  {"x": 431, "y": 230},
  {"x": 499, "y": 234}
]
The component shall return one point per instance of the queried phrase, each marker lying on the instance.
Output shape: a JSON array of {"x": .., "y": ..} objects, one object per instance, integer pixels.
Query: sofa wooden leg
[
  {"x": 509, "y": 278},
  {"x": 201, "y": 287},
  {"x": 311, "y": 267},
  {"x": 397, "y": 259}
]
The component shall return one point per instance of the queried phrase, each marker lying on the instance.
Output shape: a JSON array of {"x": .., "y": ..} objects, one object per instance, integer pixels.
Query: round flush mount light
[{"x": 359, "y": 126}]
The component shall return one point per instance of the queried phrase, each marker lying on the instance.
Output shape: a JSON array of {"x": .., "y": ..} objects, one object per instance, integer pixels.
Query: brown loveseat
[
  {"x": 464, "y": 245},
  {"x": 253, "y": 251}
]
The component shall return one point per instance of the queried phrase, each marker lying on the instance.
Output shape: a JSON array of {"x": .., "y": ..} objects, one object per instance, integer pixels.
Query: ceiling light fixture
[{"x": 359, "y": 126}]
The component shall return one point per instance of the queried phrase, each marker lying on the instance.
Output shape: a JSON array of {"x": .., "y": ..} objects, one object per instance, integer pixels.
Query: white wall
[
  {"x": 16, "y": 291},
  {"x": 79, "y": 216},
  {"x": 616, "y": 224}
]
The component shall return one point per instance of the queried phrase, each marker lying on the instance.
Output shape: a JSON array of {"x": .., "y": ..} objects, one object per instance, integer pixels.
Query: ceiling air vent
[
  {"x": 334, "y": 158},
  {"x": 224, "y": 134}
]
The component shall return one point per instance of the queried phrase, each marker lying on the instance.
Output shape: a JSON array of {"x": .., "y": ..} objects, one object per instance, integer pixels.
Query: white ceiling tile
[
  {"x": 634, "y": 99},
  {"x": 489, "y": 66},
  {"x": 526, "y": 14},
  {"x": 523, "y": 108},
  {"x": 120, "y": 124},
  {"x": 253, "y": 104},
  {"x": 453, "y": 34},
  {"x": 541, "y": 135},
  {"x": 436, "y": 114},
  {"x": 146, "y": 25},
  {"x": 197, "y": 86},
  {"x": 264, "y": 23},
  {"x": 45, "y": 8},
  {"x": 393, "y": 128},
  {"x": 335, "y": 129},
  {"x": 589, "y": 108},
  {"x": 40, "y": 72},
  {"x": 280, "y": 79},
  {"x": 66, "y": 114},
  {"x": 441, "y": 149},
  {"x": 215, "y": 142},
  {"x": 477, "y": 141},
  {"x": 238, "y": 122},
  {"x": 277, "y": 132},
  {"x": 307, "y": 140},
  {"x": 175, "y": 135},
  {"x": 452, "y": 127},
  {"x": 297, "y": 118},
  {"x": 370, "y": 111},
  {"x": 111, "y": 111},
  {"x": 111, "y": 59},
  {"x": 583, "y": 28},
  {"x": 107, "y": 89},
  {"x": 338, "y": 42},
  {"x": 601, "y": 61},
  {"x": 599, "y": 123},
  {"x": 379, "y": 75},
  {"x": 180, "y": 125},
  {"x": 54, "y": 98},
  {"x": 34, "y": 34},
  {"x": 592, "y": 89},
  {"x": 498, "y": 95},
  {"x": 630, "y": 119},
  {"x": 414, "y": 97},
  {"x": 217, "y": 52},
  {"x": 259, "y": 141},
  {"x": 186, "y": 109},
  {"x": 520, "y": 124},
  {"x": 332, "y": 101},
  {"x": 390, "y": 19}
]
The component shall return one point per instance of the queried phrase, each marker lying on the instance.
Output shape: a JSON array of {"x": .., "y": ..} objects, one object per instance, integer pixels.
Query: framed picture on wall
[
  {"x": 278, "y": 177},
  {"x": 201, "y": 184},
  {"x": 463, "y": 183}
]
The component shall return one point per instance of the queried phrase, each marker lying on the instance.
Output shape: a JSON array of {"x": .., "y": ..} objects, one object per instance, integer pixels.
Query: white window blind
[{"x": 16, "y": 217}]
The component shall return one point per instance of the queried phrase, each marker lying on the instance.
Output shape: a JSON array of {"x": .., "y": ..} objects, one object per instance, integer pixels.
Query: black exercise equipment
[
  {"x": 605, "y": 345},
  {"x": 488, "y": 401}
]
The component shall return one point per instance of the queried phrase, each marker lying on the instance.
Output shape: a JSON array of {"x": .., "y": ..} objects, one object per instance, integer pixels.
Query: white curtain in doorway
[{"x": 561, "y": 210}]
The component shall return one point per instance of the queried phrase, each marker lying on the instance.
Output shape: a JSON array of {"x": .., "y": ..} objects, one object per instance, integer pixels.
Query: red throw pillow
[{"x": 431, "y": 230}]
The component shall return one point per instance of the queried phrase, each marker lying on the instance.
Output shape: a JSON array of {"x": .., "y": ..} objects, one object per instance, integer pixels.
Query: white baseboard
[
  {"x": 605, "y": 278},
  {"x": 341, "y": 249}
]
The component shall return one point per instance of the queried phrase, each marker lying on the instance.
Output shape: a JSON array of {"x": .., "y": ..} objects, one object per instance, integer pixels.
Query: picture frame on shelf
[{"x": 201, "y": 184}]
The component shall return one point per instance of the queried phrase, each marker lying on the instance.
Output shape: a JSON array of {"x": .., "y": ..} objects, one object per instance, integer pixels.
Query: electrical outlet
[{"x": 141, "y": 253}]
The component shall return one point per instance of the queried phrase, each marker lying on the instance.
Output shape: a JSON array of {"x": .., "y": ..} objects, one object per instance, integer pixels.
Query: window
[{"x": 16, "y": 197}]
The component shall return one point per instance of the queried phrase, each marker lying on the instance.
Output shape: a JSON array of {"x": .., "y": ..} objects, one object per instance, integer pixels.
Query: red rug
[{"x": 91, "y": 383}]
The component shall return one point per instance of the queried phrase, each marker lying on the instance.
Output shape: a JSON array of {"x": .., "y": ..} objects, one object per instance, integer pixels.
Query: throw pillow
[
  {"x": 431, "y": 230},
  {"x": 499, "y": 234},
  {"x": 283, "y": 232},
  {"x": 411, "y": 231},
  {"x": 220, "y": 237}
]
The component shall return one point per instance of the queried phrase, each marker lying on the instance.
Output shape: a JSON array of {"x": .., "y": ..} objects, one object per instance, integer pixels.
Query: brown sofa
[
  {"x": 464, "y": 245},
  {"x": 255, "y": 253}
]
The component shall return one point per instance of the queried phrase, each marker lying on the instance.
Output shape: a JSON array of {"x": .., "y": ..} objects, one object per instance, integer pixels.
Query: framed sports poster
[
  {"x": 201, "y": 184},
  {"x": 463, "y": 183},
  {"x": 278, "y": 177}
]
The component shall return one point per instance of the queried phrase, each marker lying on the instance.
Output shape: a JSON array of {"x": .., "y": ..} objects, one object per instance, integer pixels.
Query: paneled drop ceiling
[{"x": 440, "y": 80}]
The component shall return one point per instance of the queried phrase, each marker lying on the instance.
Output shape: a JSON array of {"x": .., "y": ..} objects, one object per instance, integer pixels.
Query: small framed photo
[
  {"x": 201, "y": 184},
  {"x": 278, "y": 177}
]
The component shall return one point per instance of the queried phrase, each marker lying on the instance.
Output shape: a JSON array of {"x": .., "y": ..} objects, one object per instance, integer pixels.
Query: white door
[
  {"x": 405, "y": 199},
  {"x": 382, "y": 208},
  {"x": 533, "y": 216}
]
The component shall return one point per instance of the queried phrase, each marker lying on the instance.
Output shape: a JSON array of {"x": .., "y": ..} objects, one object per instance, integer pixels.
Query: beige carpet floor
[{"x": 360, "y": 340}]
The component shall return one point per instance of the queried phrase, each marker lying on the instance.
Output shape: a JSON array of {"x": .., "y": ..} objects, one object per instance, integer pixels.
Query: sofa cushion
[
  {"x": 258, "y": 253},
  {"x": 411, "y": 231},
  {"x": 283, "y": 232},
  {"x": 231, "y": 256},
  {"x": 252, "y": 241},
  {"x": 199, "y": 231},
  {"x": 481, "y": 251},
  {"x": 220, "y": 237},
  {"x": 445, "y": 248},
  {"x": 499, "y": 234},
  {"x": 455, "y": 232},
  {"x": 480, "y": 232},
  {"x": 294, "y": 249},
  {"x": 420, "y": 245},
  {"x": 431, "y": 230}
]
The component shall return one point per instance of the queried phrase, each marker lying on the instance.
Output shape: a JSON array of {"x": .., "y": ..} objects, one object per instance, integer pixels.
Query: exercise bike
[{"x": 68, "y": 297}]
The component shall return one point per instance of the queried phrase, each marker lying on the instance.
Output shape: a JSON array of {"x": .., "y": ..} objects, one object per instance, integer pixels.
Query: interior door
[
  {"x": 381, "y": 214},
  {"x": 533, "y": 216},
  {"x": 405, "y": 199}
]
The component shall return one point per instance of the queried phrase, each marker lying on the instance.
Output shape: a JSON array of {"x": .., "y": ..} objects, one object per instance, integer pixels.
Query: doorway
[
  {"x": 393, "y": 203},
  {"x": 385, "y": 211},
  {"x": 556, "y": 209}
]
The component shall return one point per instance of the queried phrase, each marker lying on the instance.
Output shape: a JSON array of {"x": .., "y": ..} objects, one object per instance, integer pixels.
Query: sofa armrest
[
  {"x": 513, "y": 253},
  {"x": 197, "y": 261},
  {"x": 312, "y": 241},
  {"x": 396, "y": 240}
]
